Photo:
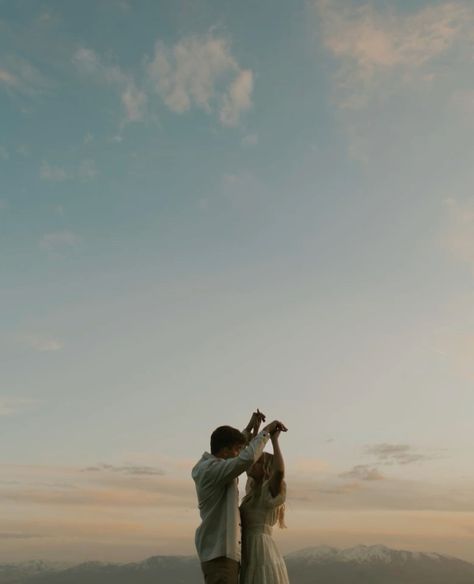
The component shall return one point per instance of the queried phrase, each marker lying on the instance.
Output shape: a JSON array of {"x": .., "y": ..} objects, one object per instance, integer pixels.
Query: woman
[{"x": 261, "y": 508}]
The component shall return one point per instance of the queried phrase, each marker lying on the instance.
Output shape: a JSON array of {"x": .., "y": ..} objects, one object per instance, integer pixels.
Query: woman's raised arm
[{"x": 278, "y": 468}]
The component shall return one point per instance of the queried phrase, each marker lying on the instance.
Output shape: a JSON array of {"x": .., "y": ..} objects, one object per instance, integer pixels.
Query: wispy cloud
[
  {"x": 395, "y": 454},
  {"x": 187, "y": 74},
  {"x": 133, "y": 99},
  {"x": 89, "y": 62},
  {"x": 17, "y": 75},
  {"x": 201, "y": 72},
  {"x": 59, "y": 240},
  {"x": 363, "y": 472},
  {"x": 376, "y": 494},
  {"x": 8, "y": 535},
  {"x": 41, "y": 343},
  {"x": 52, "y": 173},
  {"x": 380, "y": 48},
  {"x": 10, "y": 406},
  {"x": 197, "y": 72},
  {"x": 118, "y": 488},
  {"x": 86, "y": 170},
  {"x": 7, "y": 78},
  {"x": 134, "y": 102},
  {"x": 133, "y": 491},
  {"x": 128, "y": 469},
  {"x": 4, "y": 154},
  {"x": 237, "y": 99}
]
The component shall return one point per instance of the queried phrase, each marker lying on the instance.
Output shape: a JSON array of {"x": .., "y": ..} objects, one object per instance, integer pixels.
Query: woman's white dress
[{"x": 262, "y": 563}]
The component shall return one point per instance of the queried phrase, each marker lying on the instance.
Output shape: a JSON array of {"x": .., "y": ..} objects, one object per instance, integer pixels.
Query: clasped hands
[{"x": 273, "y": 428}]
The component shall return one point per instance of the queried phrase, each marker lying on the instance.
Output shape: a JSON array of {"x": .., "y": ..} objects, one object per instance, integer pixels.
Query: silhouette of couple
[{"x": 235, "y": 545}]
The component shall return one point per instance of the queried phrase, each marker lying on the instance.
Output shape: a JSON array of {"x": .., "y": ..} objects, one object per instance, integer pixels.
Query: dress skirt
[{"x": 262, "y": 563}]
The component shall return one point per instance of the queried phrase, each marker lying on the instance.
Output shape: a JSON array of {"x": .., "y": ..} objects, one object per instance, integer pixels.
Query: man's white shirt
[{"x": 218, "y": 497}]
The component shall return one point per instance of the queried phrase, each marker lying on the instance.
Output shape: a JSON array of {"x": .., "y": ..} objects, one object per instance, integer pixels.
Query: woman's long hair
[{"x": 253, "y": 489}]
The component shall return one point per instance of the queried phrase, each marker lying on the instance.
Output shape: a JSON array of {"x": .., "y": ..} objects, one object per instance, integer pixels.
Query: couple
[{"x": 220, "y": 541}]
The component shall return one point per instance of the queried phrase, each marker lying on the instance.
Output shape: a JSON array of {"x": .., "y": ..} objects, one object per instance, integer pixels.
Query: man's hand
[
  {"x": 275, "y": 426},
  {"x": 259, "y": 416},
  {"x": 251, "y": 430},
  {"x": 256, "y": 419}
]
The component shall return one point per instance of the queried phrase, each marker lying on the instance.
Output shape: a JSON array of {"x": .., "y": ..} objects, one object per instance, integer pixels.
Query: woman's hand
[{"x": 276, "y": 426}]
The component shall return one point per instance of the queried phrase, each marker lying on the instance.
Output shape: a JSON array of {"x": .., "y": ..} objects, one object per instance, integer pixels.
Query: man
[{"x": 218, "y": 537}]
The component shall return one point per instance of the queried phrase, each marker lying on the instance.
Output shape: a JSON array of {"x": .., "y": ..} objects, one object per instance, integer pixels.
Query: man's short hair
[{"x": 226, "y": 437}]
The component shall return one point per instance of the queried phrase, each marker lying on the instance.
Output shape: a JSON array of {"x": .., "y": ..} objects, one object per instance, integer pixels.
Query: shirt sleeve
[{"x": 224, "y": 471}]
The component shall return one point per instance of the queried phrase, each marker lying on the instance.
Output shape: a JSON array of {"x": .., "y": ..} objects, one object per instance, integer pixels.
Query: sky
[{"x": 208, "y": 207}]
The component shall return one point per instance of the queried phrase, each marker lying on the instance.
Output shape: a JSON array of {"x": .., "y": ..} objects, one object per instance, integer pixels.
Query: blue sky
[{"x": 208, "y": 207}]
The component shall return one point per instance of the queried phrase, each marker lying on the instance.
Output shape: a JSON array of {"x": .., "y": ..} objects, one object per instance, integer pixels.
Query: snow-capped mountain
[
  {"x": 162, "y": 569},
  {"x": 320, "y": 565},
  {"x": 376, "y": 564},
  {"x": 360, "y": 554},
  {"x": 13, "y": 573}
]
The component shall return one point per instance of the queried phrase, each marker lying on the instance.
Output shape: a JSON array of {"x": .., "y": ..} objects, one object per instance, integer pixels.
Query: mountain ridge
[
  {"x": 362, "y": 553},
  {"x": 359, "y": 564}
]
